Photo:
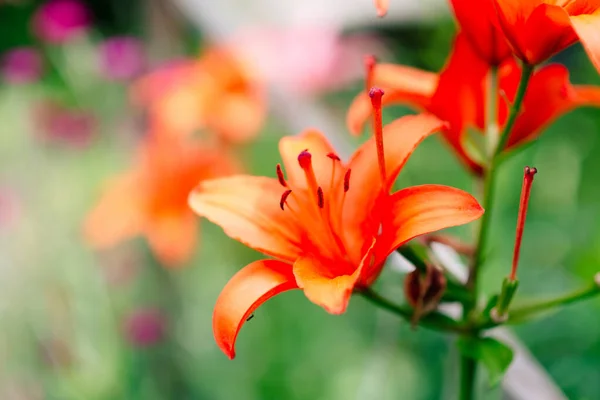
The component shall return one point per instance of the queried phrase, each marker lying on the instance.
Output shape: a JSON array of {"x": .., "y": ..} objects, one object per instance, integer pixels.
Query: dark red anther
[
  {"x": 333, "y": 156},
  {"x": 304, "y": 159},
  {"x": 347, "y": 180},
  {"x": 284, "y": 197},
  {"x": 280, "y": 176},
  {"x": 320, "y": 197}
]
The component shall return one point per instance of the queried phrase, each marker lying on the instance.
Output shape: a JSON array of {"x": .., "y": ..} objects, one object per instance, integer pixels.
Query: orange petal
[
  {"x": 422, "y": 209},
  {"x": 586, "y": 27},
  {"x": 401, "y": 84},
  {"x": 475, "y": 19},
  {"x": 558, "y": 33},
  {"x": 318, "y": 146},
  {"x": 322, "y": 287},
  {"x": 172, "y": 237},
  {"x": 239, "y": 117},
  {"x": 512, "y": 17},
  {"x": 247, "y": 208},
  {"x": 382, "y": 7},
  {"x": 550, "y": 86},
  {"x": 247, "y": 290},
  {"x": 118, "y": 215}
]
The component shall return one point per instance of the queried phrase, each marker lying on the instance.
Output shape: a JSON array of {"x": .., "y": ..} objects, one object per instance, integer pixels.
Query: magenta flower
[
  {"x": 21, "y": 65},
  {"x": 57, "y": 21},
  {"x": 122, "y": 58},
  {"x": 145, "y": 327}
]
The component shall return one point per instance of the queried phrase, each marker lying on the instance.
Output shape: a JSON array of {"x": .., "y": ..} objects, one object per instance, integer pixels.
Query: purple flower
[
  {"x": 59, "y": 20},
  {"x": 122, "y": 58},
  {"x": 21, "y": 65},
  {"x": 145, "y": 327}
]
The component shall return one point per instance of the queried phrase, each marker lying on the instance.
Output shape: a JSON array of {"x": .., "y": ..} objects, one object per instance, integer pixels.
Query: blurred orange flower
[
  {"x": 334, "y": 225},
  {"x": 457, "y": 95},
  {"x": 216, "y": 92},
  {"x": 151, "y": 198},
  {"x": 538, "y": 29}
]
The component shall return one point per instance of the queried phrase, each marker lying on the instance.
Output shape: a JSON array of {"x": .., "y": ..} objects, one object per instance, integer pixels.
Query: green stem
[
  {"x": 434, "y": 320},
  {"x": 468, "y": 375},
  {"x": 525, "y": 312},
  {"x": 491, "y": 113},
  {"x": 526, "y": 73}
]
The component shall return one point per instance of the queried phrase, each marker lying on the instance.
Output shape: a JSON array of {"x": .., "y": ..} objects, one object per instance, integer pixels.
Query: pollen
[
  {"x": 280, "y": 176},
  {"x": 284, "y": 197}
]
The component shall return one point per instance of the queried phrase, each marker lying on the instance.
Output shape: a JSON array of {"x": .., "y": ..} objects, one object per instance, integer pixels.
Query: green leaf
[{"x": 494, "y": 355}]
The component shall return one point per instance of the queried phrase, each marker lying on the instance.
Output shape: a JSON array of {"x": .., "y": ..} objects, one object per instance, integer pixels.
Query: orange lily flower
[
  {"x": 329, "y": 225},
  {"x": 457, "y": 95},
  {"x": 538, "y": 29},
  {"x": 216, "y": 92},
  {"x": 151, "y": 198},
  {"x": 475, "y": 19}
]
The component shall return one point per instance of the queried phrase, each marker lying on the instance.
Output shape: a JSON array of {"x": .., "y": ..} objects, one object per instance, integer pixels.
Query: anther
[
  {"x": 333, "y": 156},
  {"x": 284, "y": 197},
  {"x": 347, "y": 180},
  {"x": 280, "y": 176},
  {"x": 320, "y": 197},
  {"x": 375, "y": 94},
  {"x": 305, "y": 159},
  {"x": 382, "y": 7},
  {"x": 528, "y": 175}
]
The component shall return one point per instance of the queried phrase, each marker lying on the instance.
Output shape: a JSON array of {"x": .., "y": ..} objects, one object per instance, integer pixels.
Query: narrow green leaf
[{"x": 494, "y": 355}]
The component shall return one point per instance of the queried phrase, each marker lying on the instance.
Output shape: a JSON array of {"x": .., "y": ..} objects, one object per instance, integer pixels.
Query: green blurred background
[{"x": 65, "y": 310}]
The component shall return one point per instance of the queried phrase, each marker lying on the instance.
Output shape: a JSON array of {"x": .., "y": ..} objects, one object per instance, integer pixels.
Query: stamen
[
  {"x": 280, "y": 176},
  {"x": 525, "y": 192},
  {"x": 333, "y": 156},
  {"x": 376, "y": 94},
  {"x": 284, "y": 197},
  {"x": 305, "y": 161},
  {"x": 370, "y": 62},
  {"x": 320, "y": 197},
  {"x": 347, "y": 180}
]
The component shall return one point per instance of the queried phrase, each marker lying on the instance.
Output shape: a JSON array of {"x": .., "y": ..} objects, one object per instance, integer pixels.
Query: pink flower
[
  {"x": 60, "y": 20},
  {"x": 306, "y": 61},
  {"x": 10, "y": 208},
  {"x": 122, "y": 58},
  {"x": 21, "y": 65},
  {"x": 145, "y": 327}
]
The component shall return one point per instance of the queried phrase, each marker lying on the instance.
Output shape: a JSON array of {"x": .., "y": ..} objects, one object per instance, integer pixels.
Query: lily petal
[
  {"x": 316, "y": 143},
  {"x": 118, "y": 215},
  {"x": 401, "y": 84},
  {"x": 245, "y": 292},
  {"x": 172, "y": 237},
  {"x": 512, "y": 17},
  {"x": 422, "y": 209},
  {"x": 247, "y": 208},
  {"x": 476, "y": 23},
  {"x": 330, "y": 292},
  {"x": 586, "y": 27},
  {"x": 558, "y": 33},
  {"x": 382, "y": 7}
]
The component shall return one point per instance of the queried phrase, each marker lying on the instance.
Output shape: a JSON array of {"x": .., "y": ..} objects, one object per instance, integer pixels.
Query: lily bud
[{"x": 424, "y": 290}]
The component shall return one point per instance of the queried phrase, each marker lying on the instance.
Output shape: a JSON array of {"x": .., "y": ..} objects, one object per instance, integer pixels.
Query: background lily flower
[
  {"x": 538, "y": 29},
  {"x": 475, "y": 19},
  {"x": 21, "y": 65},
  {"x": 151, "y": 198},
  {"x": 57, "y": 21},
  {"x": 216, "y": 92},
  {"x": 122, "y": 58},
  {"x": 457, "y": 95},
  {"x": 330, "y": 225}
]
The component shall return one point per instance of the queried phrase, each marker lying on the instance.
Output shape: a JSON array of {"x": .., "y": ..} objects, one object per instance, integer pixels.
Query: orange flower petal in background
[
  {"x": 325, "y": 222},
  {"x": 459, "y": 96},
  {"x": 151, "y": 199},
  {"x": 538, "y": 29},
  {"x": 475, "y": 19},
  {"x": 382, "y": 7},
  {"x": 249, "y": 288},
  {"x": 217, "y": 93}
]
